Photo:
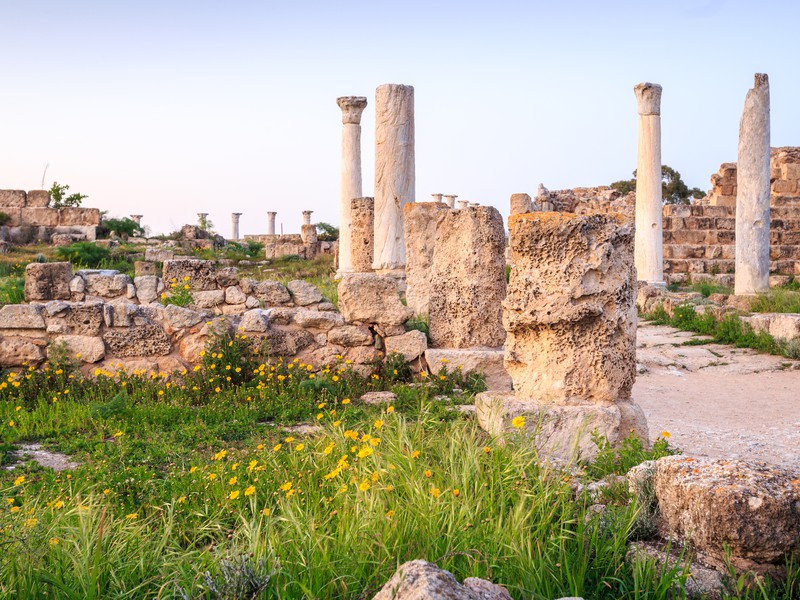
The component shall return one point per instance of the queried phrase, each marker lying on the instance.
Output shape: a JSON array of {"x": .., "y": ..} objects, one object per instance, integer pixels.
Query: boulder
[
  {"x": 181, "y": 318},
  {"x": 209, "y": 299},
  {"x": 411, "y": 345},
  {"x": 350, "y": 335},
  {"x": 369, "y": 298},
  {"x": 304, "y": 293},
  {"x": 228, "y": 276},
  {"x": 234, "y": 295},
  {"x": 199, "y": 275},
  {"x": 22, "y": 316},
  {"x": 18, "y": 351},
  {"x": 48, "y": 281},
  {"x": 148, "y": 288},
  {"x": 88, "y": 349},
  {"x": 255, "y": 320},
  {"x": 271, "y": 293},
  {"x": 421, "y": 580}
]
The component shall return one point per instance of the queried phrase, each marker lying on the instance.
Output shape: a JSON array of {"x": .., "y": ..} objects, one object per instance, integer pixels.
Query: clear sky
[{"x": 169, "y": 108}]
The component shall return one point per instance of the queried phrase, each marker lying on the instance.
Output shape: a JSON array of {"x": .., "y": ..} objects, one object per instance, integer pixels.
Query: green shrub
[
  {"x": 12, "y": 290},
  {"x": 125, "y": 228},
  {"x": 59, "y": 198},
  {"x": 4, "y": 218},
  {"x": 84, "y": 254}
]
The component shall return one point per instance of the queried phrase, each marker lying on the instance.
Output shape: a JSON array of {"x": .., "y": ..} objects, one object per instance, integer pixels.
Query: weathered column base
[
  {"x": 561, "y": 432},
  {"x": 398, "y": 274},
  {"x": 487, "y": 361}
]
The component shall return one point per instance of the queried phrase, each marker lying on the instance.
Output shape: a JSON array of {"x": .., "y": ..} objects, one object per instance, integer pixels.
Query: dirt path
[{"x": 719, "y": 401}]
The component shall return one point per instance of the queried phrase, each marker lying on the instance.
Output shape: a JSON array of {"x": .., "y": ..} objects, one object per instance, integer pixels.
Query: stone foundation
[{"x": 33, "y": 221}]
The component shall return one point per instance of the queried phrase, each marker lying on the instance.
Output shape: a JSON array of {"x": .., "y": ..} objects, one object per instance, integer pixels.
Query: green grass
[
  {"x": 12, "y": 290},
  {"x": 779, "y": 300}
]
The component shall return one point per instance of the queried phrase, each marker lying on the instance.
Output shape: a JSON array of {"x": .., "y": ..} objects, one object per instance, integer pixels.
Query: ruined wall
[
  {"x": 290, "y": 244},
  {"x": 586, "y": 201},
  {"x": 784, "y": 166},
  {"x": 32, "y": 219}
]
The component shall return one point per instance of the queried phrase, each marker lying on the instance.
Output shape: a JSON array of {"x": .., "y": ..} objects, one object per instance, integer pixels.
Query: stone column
[
  {"x": 520, "y": 203},
  {"x": 474, "y": 204},
  {"x": 570, "y": 318},
  {"x": 307, "y": 217},
  {"x": 420, "y": 220},
  {"x": 137, "y": 219},
  {"x": 450, "y": 200},
  {"x": 753, "y": 191},
  {"x": 271, "y": 223},
  {"x": 649, "y": 248},
  {"x": 235, "y": 223},
  {"x": 352, "y": 107},
  {"x": 362, "y": 212},
  {"x": 463, "y": 204},
  {"x": 394, "y": 174},
  {"x": 437, "y": 197}
]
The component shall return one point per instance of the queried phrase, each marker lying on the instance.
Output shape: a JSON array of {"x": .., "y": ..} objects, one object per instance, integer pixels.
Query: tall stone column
[
  {"x": 352, "y": 107},
  {"x": 235, "y": 223},
  {"x": 649, "y": 249},
  {"x": 137, "y": 219},
  {"x": 271, "y": 223},
  {"x": 450, "y": 200},
  {"x": 752, "y": 194},
  {"x": 394, "y": 174},
  {"x": 362, "y": 211}
]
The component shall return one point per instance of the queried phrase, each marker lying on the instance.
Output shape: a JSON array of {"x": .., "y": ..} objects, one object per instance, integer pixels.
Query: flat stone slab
[
  {"x": 46, "y": 458},
  {"x": 488, "y": 361}
]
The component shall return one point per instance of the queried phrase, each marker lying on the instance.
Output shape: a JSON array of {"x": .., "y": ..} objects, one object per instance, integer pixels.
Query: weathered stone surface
[
  {"x": 284, "y": 342},
  {"x": 17, "y": 351},
  {"x": 350, "y": 335},
  {"x": 56, "y": 307},
  {"x": 143, "y": 268},
  {"x": 201, "y": 274},
  {"x": 179, "y": 317},
  {"x": 256, "y": 320},
  {"x": 148, "y": 288},
  {"x": 79, "y": 216},
  {"x": 785, "y": 326},
  {"x": 570, "y": 312},
  {"x": 313, "y": 319},
  {"x": 158, "y": 254},
  {"x": 304, "y": 293},
  {"x": 85, "y": 318},
  {"x": 42, "y": 217},
  {"x": 751, "y": 507},
  {"x": 22, "y": 316},
  {"x": 421, "y": 219},
  {"x": 468, "y": 279},
  {"x": 362, "y": 232},
  {"x": 228, "y": 276},
  {"x": 122, "y": 314},
  {"x": 208, "y": 299},
  {"x": 489, "y": 363},
  {"x": 701, "y": 582},
  {"x": 352, "y": 107},
  {"x": 86, "y": 348},
  {"x": 272, "y": 293},
  {"x": 520, "y": 203},
  {"x": 369, "y": 298},
  {"x": 105, "y": 283},
  {"x": 421, "y": 580},
  {"x": 38, "y": 199},
  {"x": 48, "y": 281},
  {"x": 140, "y": 340},
  {"x": 233, "y": 309},
  {"x": 374, "y": 398},
  {"x": 411, "y": 345},
  {"x": 12, "y": 199},
  {"x": 234, "y": 295},
  {"x": 77, "y": 285}
]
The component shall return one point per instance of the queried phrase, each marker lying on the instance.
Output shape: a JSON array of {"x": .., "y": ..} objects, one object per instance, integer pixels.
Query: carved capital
[
  {"x": 648, "y": 98},
  {"x": 762, "y": 80},
  {"x": 352, "y": 107}
]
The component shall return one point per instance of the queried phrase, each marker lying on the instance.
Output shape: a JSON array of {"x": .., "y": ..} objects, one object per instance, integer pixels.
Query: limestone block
[
  {"x": 22, "y": 316},
  {"x": 79, "y": 216},
  {"x": 789, "y": 171},
  {"x": 419, "y": 579},
  {"x": 252, "y": 302},
  {"x": 48, "y": 281},
  {"x": 18, "y": 351},
  {"x": 38, "y": 199},
  {"x": 148, "y": 288},
  {"x": 201, "y": 273},
  {"x": 361, "y": 355},
  {"x": 751, "y": 507},
  {"x": 521, "y": 203},
  {"x": 140, "y": 340},
  {"x": 85, "y": 318},
  {"x": 308, "y": 233},
  {"x": 13, "y": 199},
  {"x": 570, "y": 312},
  {"x": 369, "y": 298},
  {"x": 421, "y": 219},
  {"x": 179, "y": 317},
  {"x": 272, "y": 293},
  {"x": 487, "y": 362},
  {"x": 362, "y": 233},
  {"x": 87, "y": 348},
  {"x": 228, "y": 276},
  {"x": 350, "y": 336},
  {"x": 208, "y": 299},
  {"x": 256, "y": 320},
  {"x": 468, "y": 279},
  {"x": 15, "y": 221},
  {"x": 158, "y": 254},
  {"x": 234, "y": 295},
  {"x": 785, "y": 326},
  {"x": 143, "y": 268},
  {"x": 105, "y": 283},
  {"x": 304, "y": 293},
  {"x": 47, "y": 217},
  {"x": 411, "y": 345},
  {"x": 313, "y": 319},
  {"x": 283, "y": 342},
  {"x": 233, "y": 309}
]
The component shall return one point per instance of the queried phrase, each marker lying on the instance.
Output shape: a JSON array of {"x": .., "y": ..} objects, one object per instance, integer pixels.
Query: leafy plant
[
  {"x": 5, "y": 218},
  {"x": 327, "y": 232},
  {"x": 61, "y": 200},
  {"x": 178, "y": 293},
  {"x": 125, "y": 227},
  {"x": 84, "y": 254}
]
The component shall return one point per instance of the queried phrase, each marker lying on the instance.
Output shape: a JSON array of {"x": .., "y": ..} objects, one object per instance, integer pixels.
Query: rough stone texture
[
  {"x": 352, "y": 107},
  {"x": 228, "y": 276},
  {"x": 314, "y": 319},
  {"x": 88, "y": 349},
  {"x": 208, "y": 299},
  {"x": 350, "y": 336},
  {"x": 375, "y": 398},
  {"x": 649, "y": 239},
  {"x": 256, "y": 320},
  {"x": 141, "y": 340},
  {"x": 520, "y": 203},
  {"x": 201, "y": 273},
  {"x": 468, "y": 279},
  {"x": 570, "y": 312},
  {"x": 753, "y": 192},
  {"x": 47, "y": 281},
  {"x": 472, "y": 360},
  {"x": 369, "y": 298},
  {"x": 22, "y": 316},
  {"x": 411, "y": 345},
  {"x": 179, "y": 317},
  {"x": 421, "y": 580},
  {"x": 17, "y": 351},
  {"x": 751, "y": 507},
  {"x": 13, "y": 199},
  {"x": 38, "y": 199},
  {"x": 42, "y": 217},
  {"x": 362, "y": 234},
  {"x": 79, "y": 216},
  {"x": 148, "y": 288},
  {"x": 272, "y": 293},
  {"x": 304, "y": 293},
  {"x": 421, "y": 219},
  {"x": 158, "y": 254},
  {"x": 308, "y": 233},
  {"x": 105, "y": 283},
  {"x": 85, "y": 318},
  {"x": 234, "y": 295},
  {"x": 284, "y": 342},
  {"x": 394, "y": 172}
]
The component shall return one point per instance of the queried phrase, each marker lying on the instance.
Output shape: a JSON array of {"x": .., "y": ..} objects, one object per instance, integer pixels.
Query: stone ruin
[{"x": 305, "y": 244}]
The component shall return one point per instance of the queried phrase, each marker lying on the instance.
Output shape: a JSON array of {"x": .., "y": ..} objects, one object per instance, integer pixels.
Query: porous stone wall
[
  {"x": 32, "y": 219},
  {"x": 293, "y": 244}
]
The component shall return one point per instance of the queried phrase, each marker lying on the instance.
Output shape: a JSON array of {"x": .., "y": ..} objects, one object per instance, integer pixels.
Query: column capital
[
  {"x": 236, "y": 215},
  {"x": 648, "y": 98},
  {"x": 352, "y": 107},
  {"x": 271, "y": 213},
  {"x": 761, "y": 80}
]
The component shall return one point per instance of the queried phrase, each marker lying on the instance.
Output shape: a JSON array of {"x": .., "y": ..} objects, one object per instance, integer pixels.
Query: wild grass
[{"x": 779, "y": 300}]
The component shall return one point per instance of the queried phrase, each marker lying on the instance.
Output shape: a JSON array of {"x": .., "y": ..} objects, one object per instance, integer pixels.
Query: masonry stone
[
  {"x": 304, "y": 293},
  {"x": 140, "y": 340},
  {"x": 421, "y": 219},
  {"x": 48, "y": 281},
  {"x": 22, "y": 316},
  {"x": 370, "y": 298},
  {"x": 201, "y": 274},
  {"x": 362, "y": 234}
]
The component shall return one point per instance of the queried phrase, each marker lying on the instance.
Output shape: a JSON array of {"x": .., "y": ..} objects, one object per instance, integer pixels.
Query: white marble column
[
  {"x": 752, "y": 192},
  {"x": 394, "y": 174},
  {"x": 450, "y": 200},
  {"x": 271, "y": 223},
  {"x": 307, "y": 217},
  {"x": 649, "y": 244},
  {"x": 437, "y": 197},
  {"x": 235, "y": 223},
  {"x": 137, "y": 219},
  {"x": 463, "y": 204},
  {"x": 352, "y": 107}
]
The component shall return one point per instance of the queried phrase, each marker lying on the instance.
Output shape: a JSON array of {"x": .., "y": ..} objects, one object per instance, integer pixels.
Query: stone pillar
[
  {"x": 437, "y": 197},
  {"x": 352, "y": 107},
  {"x": 520, "y": 203},
  {"x": 137, "y": 219},
  {"x": 570, "y": 318},
  {"x": 307, "y": 217},
  {"x": 420, "y": 219},
  {"x": 362, "y": 213},
  {"x": 394, "y": 174},
  {"x": 450, "y": 200},
  {"x": 463, "y": 204},
  {"x": 235, "y": 223},
  {"x": 468, "y": 279},
  {"x": 271, "y": 223},
  {"x": 649, "y": 236},
  {"x": 752, "y": 192},
  {"x": 474, "y": 204}
]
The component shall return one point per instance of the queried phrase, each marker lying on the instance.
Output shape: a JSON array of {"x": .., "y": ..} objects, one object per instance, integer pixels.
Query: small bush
[
  {"x": 84, "y": 254},
  {"x": 12, "y": 290},
  {"x": 4, "y": 218},
  {"x": 419, "y": 323},
  {"x": 178, "y": 293}
]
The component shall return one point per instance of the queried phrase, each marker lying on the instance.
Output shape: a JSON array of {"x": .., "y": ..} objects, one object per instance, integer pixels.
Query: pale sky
[{"x": 172, "y": 108}]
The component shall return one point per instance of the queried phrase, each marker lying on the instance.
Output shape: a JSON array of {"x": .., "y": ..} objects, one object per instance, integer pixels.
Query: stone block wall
[
  {"x": 784, "y": 166},
  {"x": 290, "y": 244},
  {"x": 32, "y": 219}
]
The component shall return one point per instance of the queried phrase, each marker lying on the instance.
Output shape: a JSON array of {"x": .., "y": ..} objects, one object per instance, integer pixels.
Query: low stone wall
[
  {"x": 784, "y": 169},
  {"x": 32, "y": 220},
  {"x": 292, "y": 244}
]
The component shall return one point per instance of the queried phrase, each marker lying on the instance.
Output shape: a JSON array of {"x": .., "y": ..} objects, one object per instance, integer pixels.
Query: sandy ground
[{"x": 719, "y": 401}]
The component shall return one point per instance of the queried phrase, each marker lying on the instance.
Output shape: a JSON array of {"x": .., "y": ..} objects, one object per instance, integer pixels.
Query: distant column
[
  {"x": 137, "y": 219},
  {"x": 235, "y": 223},
  {"x": 352, "y": 107},
  {"x": 394, "y": 174},
  {"x": 752, "y": 193},
  {"x": 307, "y": 217},
  {"x": 271, "y": 223},
  {"x": 649, "y": 250},
  {"x": 520, "y": 204},
  {"x": 437, "y": 197},
  {"x": 463, "y": 204},
  {"x": 450, "y": 200}
]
